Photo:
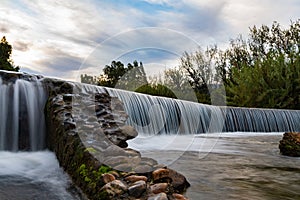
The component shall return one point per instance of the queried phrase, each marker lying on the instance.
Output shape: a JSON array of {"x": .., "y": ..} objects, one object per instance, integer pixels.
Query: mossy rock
[{"x": 290, "y": 144}]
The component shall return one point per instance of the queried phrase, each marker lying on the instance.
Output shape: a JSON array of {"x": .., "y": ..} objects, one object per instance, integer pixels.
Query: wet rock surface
[{"x": 290, "y": 144}]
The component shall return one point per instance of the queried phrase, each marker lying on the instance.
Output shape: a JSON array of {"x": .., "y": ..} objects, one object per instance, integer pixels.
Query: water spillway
[
  {"x": 155, "y": 115},
  {"x": 160, "y": 115},
  {"x": 22, "y": 123}
]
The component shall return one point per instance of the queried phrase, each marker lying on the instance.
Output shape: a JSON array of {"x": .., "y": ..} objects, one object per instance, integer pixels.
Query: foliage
[
  {"x": 134, "y": 77},
  {"x": 156, "y": 90},
  {"x": 177, "y": 81},
  {"x": 6, "y": 62},
  {"x": 200, "y": 72},
  {"x": 263, "y": 71},
  {"x": 88, "y": 79},
  {"x": 271, "y": 83},
  {"x": 92, "y": 177},
  {"x": 117, "y": 75}
]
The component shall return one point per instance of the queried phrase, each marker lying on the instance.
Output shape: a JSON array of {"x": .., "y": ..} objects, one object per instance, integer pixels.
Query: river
[{"x": 239, "y": 166}]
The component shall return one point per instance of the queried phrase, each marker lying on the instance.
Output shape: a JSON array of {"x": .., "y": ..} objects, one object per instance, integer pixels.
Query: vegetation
[
  {"x": 262, "y": 71},
  {"x": 6, "y": 62},
  {"x": 118, "y": 75},
  {"x": 156, "y": 90},
  {"x": 92, "y": 177}
]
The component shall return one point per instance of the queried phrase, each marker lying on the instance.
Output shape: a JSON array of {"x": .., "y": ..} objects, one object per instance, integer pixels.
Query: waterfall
[
  {"x": 159, "y": 115},
  {"x": 22, "y": 123},
  {"x": 156, "y": 115}
]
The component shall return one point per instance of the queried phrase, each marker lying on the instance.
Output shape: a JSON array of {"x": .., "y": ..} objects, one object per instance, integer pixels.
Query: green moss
[
  {"x": 91, "y": 150},
  {"x": 91, "y": 176}
]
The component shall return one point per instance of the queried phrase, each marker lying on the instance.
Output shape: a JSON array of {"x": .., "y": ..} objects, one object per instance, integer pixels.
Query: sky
[{"x": 66, "y": 38}]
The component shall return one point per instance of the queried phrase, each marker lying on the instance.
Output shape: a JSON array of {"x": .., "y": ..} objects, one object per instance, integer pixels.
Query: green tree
[
  {"x": 120, "y": 76},
  {"x": 88, "y": 79},
  {"x": 111, "y": 74},
  {"x": 264, "y": 70},
  {"x": 6, "y": 62},
  {"x": 156, "y": 90},
  {"x": 134, "y": 77}
]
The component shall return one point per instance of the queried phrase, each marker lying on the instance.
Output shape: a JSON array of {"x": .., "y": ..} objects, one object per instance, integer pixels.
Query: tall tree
[
  {"x": 177, "y": 81},
  {"x": 200, "y": 72},
  {"x": 134, "y": 77},
  {"x": 120, "y": 76},
  {"x": 6, "y": 62},
  {"x": 112, "y": 74},
  {"x": 263, "y": 71}
]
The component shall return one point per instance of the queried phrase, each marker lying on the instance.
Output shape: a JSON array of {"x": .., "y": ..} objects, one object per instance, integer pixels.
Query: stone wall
[{"x": 88, "y": 134}]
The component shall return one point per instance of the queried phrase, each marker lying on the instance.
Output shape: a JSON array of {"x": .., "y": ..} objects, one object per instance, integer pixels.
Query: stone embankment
[{"x": 88, "y": 133}]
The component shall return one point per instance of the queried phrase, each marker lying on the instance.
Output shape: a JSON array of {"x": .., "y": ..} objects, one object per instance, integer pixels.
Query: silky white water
[
  {"x": 22, "y": 123},
  {"x": 32, "y": 175}
]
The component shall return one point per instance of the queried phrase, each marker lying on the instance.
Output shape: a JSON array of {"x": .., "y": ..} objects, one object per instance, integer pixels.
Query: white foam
[{"x": 38, "y": 167}]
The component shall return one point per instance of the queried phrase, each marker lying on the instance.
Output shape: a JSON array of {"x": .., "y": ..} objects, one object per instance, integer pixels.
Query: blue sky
[{"x": 64, "y": 38}]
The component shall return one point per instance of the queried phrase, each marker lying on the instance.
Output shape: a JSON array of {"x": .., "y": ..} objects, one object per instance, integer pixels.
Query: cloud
[
  {"x": 21, "y": 45},
  {"x": 4, "y": 28},
  {"x": 55, "y": 37}
]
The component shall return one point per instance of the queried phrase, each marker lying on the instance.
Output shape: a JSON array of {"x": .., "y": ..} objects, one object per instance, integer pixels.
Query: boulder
[
  {"x": 137, "y": 188},
  {"x": 114, "y": 189},
  {"x": 177, "y": 180},
  {"x": 160, "y": 196},
  {"x": 179, "y": 197},
  {"x": 135, "y": 178},
  {"x": 290, "y": 144},
  {"x": 159, "y": 188}
]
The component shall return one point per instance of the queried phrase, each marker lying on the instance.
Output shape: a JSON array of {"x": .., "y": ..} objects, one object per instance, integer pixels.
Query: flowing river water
[
  {"x": 33, "y": 176},
  {"x": 218, "y": 166},
  {"x": 241, "y": 166}
]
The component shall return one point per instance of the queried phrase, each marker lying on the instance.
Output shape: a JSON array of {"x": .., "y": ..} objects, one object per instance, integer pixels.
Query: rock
[
  {"x": 129, "y": 131},
  {"x": 160, "y": 196},
  {"x": 178, "y": 197},
  {"x": 143, "y": 168},
  {"x": 135, "y": 178},
  {"x": 119, "y": 136},
  {"x": 137, "y": 189},
  {"x": 159, "y": 187},
  {"x": 290, "y": 144},
  {"x": 106, "y": 178},
  {"x": 178, "y": 181},
  {"x": 114, "y": 188},
  {"x": 160, "y": 173}
]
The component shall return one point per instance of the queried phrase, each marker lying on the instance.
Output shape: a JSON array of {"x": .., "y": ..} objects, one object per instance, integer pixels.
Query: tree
[
  {"x": 111, "y": 74},
  {"x": 263, "y": 71},
  {"x": 199, "y": 70},
  {"x": 88, "y": 79},
  {"x": 117, "y": 75},
  {"x": 134, "y": 77},
  {"x": 6, "y": 62},
  {"x": 177, "y": 81},
  {"x": 156, "y": 90}
]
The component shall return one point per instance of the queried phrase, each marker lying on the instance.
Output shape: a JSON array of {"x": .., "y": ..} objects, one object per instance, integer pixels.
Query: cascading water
[
  {"x": 159, "y": 115},
  {"x": 22, "y": 124},
  {"x": 183, "y": 117}
]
